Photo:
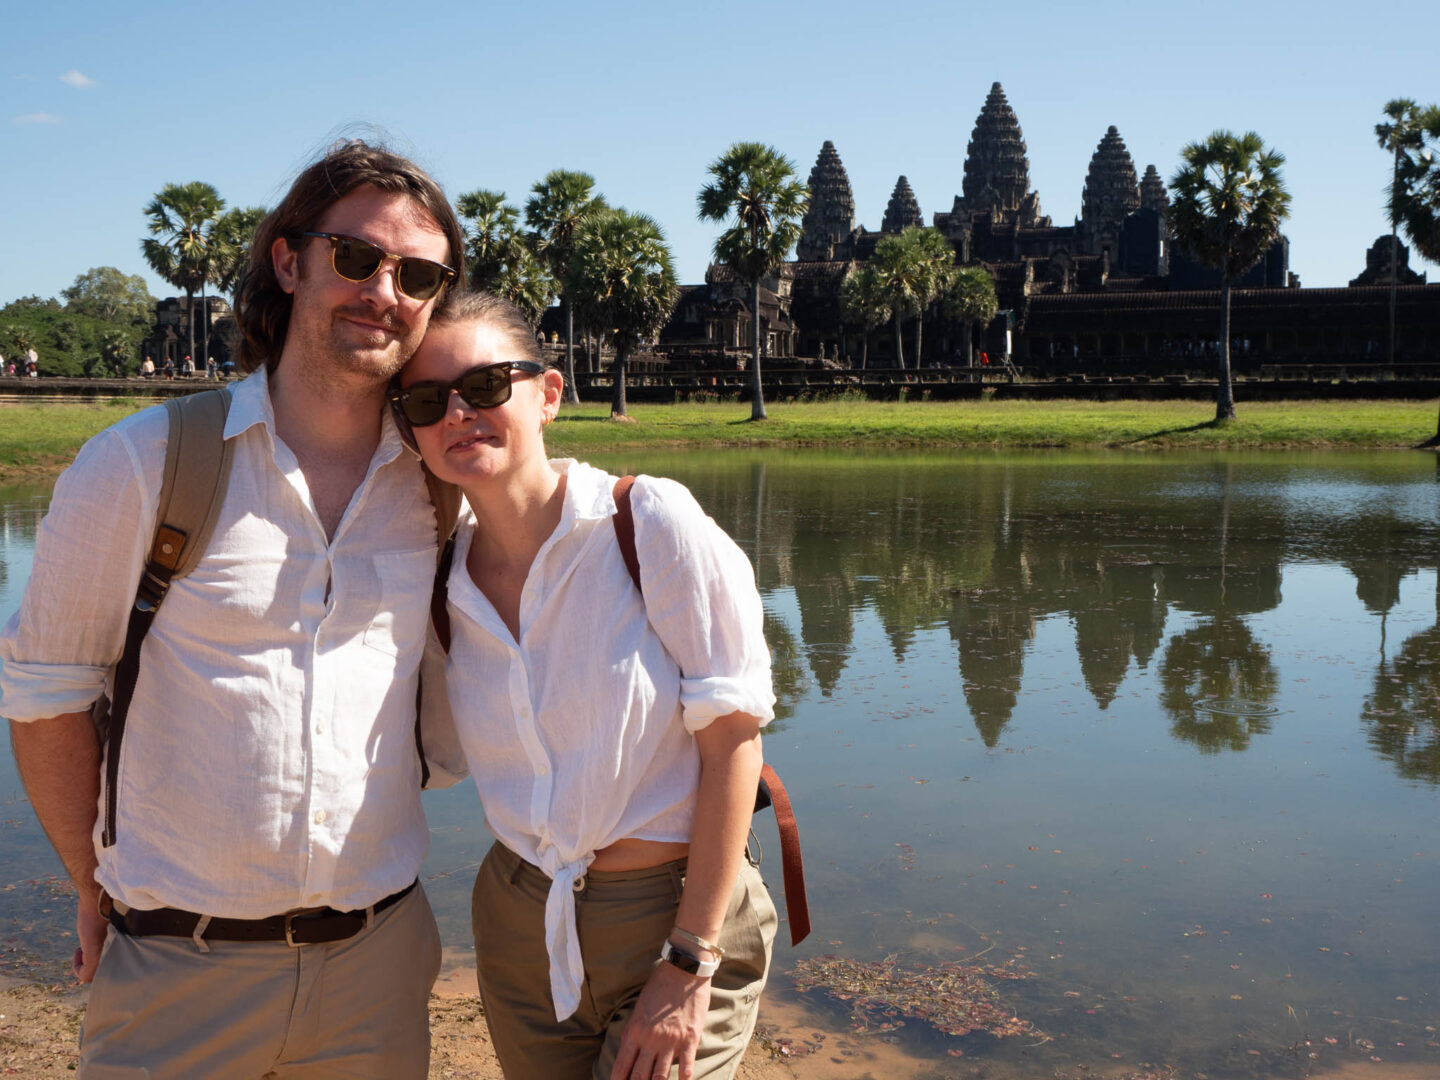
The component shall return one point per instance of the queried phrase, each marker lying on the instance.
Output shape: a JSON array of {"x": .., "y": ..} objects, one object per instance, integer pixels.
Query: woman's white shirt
[{"x": 579, "y": 734}]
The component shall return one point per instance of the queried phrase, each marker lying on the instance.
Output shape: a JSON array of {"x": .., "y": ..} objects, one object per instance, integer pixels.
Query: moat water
[{"x": 1159, "y": 733}]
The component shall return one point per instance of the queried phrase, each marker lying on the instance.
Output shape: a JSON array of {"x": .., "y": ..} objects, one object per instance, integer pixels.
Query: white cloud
[
  {"x": 77, "y": 80},
  {"x": 36, "y": 118}
]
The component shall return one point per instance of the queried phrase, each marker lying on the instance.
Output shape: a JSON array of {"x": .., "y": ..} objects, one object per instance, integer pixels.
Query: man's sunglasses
[
  {"x": 424, "y": 403},
  {"x": 358, "y": 260}
]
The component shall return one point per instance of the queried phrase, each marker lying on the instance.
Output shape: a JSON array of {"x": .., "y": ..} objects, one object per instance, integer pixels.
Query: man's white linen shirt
[
  {"x": 269, "y": 757},
  {"x": 580, "y": 733}
]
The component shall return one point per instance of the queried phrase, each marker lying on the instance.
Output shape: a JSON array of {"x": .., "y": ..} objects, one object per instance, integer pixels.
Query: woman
[{"x": 614, "y": 736}]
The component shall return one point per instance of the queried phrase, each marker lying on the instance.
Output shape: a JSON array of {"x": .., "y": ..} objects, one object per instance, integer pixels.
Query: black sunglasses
[
  {"x": 359, "y": 260},
  {"x": 424, "y": 403}
]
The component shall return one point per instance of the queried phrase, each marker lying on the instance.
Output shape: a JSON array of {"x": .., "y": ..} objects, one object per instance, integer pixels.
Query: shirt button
[
  {"x": 319, "y": 729},
  {"x": 319, "y": 817},
  {"x": 543, "y": 771}
]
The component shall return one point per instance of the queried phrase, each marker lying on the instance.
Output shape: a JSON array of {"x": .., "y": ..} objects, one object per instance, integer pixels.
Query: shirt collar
[{"x": 250, "y": 404}]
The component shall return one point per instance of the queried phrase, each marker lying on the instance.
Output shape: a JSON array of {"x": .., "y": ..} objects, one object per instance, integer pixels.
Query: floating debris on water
[{"x": 954, "y": 998}]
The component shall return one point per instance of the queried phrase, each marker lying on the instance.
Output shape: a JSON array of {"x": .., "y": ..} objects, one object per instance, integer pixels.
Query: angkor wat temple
[{"x": 1109, "y": 293}]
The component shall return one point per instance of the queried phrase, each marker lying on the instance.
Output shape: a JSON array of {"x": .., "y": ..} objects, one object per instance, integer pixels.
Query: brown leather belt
[{"x": 318, "y": 926}]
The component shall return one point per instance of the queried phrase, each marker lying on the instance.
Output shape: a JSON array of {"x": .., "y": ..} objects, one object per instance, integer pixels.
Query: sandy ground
[{"x": 40, "y": 1031}]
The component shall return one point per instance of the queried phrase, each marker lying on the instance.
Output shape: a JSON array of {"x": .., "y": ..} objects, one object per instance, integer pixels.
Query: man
[{"x": 268, "y": 784}]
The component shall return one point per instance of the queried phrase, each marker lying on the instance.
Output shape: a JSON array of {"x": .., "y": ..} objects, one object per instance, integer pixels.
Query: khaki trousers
[
  {"x": 623, "y": 917},
  {"x": 162, "y": 1009}
]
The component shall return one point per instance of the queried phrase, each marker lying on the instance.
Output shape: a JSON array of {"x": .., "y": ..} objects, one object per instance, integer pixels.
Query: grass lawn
[{"x": 42, "y": 438}]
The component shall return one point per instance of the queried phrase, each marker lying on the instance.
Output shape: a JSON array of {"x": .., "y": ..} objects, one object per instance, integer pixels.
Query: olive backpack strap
[
  {"x": 192, "y": 489},
  {"x": 771, "y": 791},
  {"x": 445, "y": 498}
]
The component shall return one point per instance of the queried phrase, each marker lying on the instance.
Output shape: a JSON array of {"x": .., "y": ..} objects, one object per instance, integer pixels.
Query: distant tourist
[
  {"x": 147, "y": 369},
  {"x": 169, "y": 368},
  {"x": 187, "y": 367},
  {"x": 210, "y": 369}
]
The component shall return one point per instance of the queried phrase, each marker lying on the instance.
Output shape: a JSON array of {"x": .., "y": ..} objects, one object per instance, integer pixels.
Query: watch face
[{"x": 686, "y": 963}]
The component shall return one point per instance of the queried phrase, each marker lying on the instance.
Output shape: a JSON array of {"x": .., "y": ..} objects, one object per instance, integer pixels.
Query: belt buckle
[{"x": 323, "y": 915}]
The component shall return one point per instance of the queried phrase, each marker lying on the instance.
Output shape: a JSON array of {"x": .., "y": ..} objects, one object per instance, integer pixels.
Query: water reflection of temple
[{"x": 990, "y": 554}]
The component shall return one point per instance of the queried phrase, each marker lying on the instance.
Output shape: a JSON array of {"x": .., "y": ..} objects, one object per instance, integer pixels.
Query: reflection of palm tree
[
  {"x": 1217, "y": 659},
  {"x": 1404, "y": 708},
  {"x": 785, "y": 670}
]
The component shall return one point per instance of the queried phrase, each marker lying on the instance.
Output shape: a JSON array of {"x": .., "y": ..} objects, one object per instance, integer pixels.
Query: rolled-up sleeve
[
  {"x": 57, "y": 651},
  {"x": 701, "y": 598}
]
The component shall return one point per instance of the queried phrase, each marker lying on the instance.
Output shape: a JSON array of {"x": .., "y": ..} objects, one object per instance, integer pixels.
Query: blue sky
[{"x": 103, "y": 104}]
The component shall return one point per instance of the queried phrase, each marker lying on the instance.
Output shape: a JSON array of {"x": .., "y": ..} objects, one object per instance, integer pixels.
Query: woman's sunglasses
[
  {"x": 424, "y": 403},
  {"x": 358, "y": 260}
]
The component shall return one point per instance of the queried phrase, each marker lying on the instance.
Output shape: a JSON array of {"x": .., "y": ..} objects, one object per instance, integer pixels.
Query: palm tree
[
  {"x": 178, "y": 248},
  {"x": 913, "y": 268},
  {"x": 1414, "y": 198},
  {"x": 1401, "y": 136},
  {"x": 230, "y": 245},
  {"x": 865, "y": 303},
  {"x": 623, "y": 278},
  {"x": 558, "y": 208},
  {"x": 498, "y": 257},
  {"x": 755, "y": 193},
  {"x": 970, "y": 300},
  {"x": 1227, "y": 202}
]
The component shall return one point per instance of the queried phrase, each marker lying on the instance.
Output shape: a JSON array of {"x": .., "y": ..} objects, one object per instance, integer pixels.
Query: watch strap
[{"x": 691, "y": 965}]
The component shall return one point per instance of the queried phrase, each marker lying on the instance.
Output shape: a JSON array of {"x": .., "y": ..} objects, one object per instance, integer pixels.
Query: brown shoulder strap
[
  {"x": 192, "y": 489},
  {"x": 792, "y": 865},
  {"x": 625, "y": 529}
]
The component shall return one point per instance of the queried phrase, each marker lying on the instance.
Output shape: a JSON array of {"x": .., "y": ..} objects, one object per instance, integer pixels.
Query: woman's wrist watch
[{"x": 691, "y": 965}]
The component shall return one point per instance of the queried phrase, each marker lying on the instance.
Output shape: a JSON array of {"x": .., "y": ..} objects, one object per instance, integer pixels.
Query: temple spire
[
  {"x": 904, "y": 209},
  {"x": 1110, "y": 193},
  {"x": 997, "y": 171},
  {"x": 831, "y": 216}
]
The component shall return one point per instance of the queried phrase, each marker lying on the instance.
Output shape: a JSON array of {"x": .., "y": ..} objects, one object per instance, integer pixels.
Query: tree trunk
[
  {"x": 204, "y": 365},
  {"x": 617, "y": 393},
  {"x": 572, "y": 395},
  {"x": 1224, "y": 393},
  {"x": 865, "y": 349},
  {"x": 757, "y": 391},
  {"x": 919, "y": 338},
  {"x": 969, "y": 343},
  {"x": 899, "y": 344},
  {"x": 190, "y": 322},
  {"x": 1394, "y": 252}
]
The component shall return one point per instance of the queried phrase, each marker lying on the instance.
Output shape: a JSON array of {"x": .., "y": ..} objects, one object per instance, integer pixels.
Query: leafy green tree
[
  {"x": 1227, "y": 202},
  {"x": 914, "y": 268},
  {"x": 498, "y": 258},
  {"x": 1412, "y": 134},
  {"x": 556, "y": 211},
  {"x": 179, "y": 248},
  {"x": 753, "y": 191},
  {"x": 864, "y": 303},
  {"x": 105, "y": 293},
  {"x": 230, "y": 239},
  {"x": 970, "y": 299},
  {"x": 623, "y": 276}
]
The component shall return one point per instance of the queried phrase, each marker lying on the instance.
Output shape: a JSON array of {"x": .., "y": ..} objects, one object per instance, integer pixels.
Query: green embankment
[{"x": 35, "y": 439}]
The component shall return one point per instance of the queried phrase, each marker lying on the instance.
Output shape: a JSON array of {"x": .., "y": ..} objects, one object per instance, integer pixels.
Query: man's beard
[{"x": 378, "y": 362}]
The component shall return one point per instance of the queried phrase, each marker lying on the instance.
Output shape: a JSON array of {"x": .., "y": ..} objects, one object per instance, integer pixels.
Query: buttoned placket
[{"x": 326, "y": 664}]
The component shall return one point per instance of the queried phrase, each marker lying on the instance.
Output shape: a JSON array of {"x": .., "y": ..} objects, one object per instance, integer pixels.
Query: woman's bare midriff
[{"x": 635, "y": 854}]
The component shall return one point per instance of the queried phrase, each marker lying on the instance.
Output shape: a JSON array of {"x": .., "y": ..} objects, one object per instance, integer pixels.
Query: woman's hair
[
  {"x": 262, "y": 307},
  {"x": 497, "y": 312}
]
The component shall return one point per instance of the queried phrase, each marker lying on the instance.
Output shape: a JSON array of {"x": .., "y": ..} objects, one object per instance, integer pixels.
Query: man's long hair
[{"x": 262, "y": 307}]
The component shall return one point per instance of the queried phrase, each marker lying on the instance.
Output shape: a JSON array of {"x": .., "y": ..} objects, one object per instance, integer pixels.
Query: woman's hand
[{"x": 665, "y": 1027}]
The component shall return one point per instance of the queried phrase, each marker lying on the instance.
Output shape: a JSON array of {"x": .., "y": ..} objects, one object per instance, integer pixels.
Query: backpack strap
[
  {"x": 771, "y": 791},
  {"x": 445, "y": 498},
  {"x": 192, "y": 489}
]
